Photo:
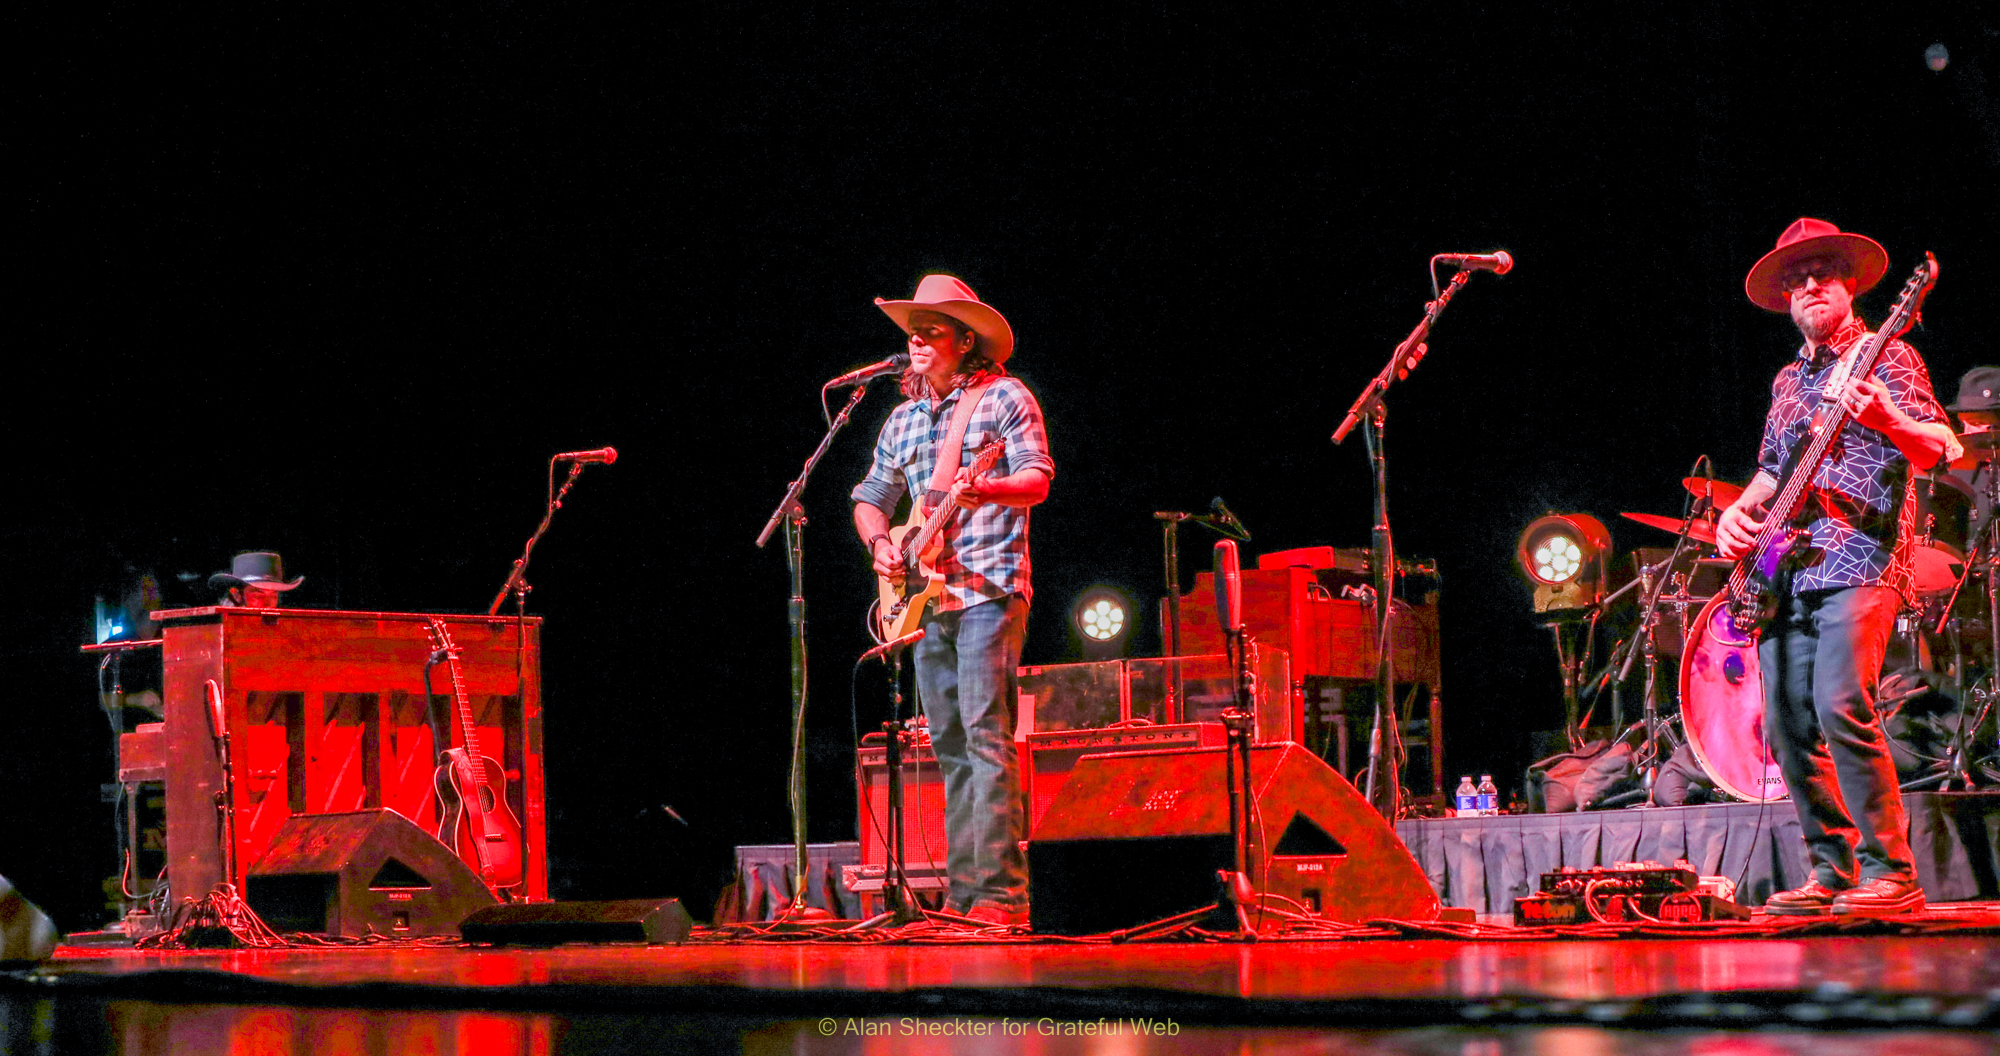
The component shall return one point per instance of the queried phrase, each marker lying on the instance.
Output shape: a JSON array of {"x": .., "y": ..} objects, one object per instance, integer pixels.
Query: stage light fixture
[
  {"x": 1566, "y": 556},
  {"x": 1103, "y": 619}
]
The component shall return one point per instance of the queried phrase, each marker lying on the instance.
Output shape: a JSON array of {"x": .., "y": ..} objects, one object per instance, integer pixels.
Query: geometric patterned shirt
[
  {"x": 985, "y": 555},
  {"x": 1860, "y": 509}
]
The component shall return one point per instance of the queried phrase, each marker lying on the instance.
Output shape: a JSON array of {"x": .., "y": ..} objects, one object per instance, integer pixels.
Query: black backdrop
[{"x": 338, "y": 285}]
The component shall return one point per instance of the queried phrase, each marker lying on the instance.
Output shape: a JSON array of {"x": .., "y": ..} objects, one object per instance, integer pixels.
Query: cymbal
[
  {"x": 1700, "y": 530},
  {"x": 1724, "y": 493}
]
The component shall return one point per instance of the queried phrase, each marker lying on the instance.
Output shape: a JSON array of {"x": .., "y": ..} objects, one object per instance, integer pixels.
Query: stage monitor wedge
[
  {"x": 1135, "y": 837},
  {"x": 653, "y": 921},
  {"x": 27, "y": 935},
  {"x": 369, "y": 872}
]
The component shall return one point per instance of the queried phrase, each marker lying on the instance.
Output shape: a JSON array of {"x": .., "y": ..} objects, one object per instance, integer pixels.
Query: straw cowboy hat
[
  {"x": 948, "y": 296},
  {"x": 1813, "y": 238}
]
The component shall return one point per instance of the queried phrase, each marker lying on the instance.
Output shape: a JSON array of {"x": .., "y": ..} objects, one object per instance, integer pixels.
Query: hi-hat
[
  {"x": 1700, "y": 530},
  {"x": 1723, "y": 494}
]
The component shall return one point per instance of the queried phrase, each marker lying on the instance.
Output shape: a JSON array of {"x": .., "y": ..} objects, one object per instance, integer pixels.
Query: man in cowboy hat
[
  {"x": 1822, "y": 655},
  {"x": 957, "y": 383},
  {"x": 255, "y": 580}
]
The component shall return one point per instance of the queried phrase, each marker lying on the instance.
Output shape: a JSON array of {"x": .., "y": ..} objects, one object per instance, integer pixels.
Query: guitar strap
[{"x": 951, "y": 449}]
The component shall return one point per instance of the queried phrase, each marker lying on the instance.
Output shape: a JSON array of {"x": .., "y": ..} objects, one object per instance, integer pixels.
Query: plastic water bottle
[
  {"x": 1465, "y": 801},
  {"x": 1489, "y": 797}
]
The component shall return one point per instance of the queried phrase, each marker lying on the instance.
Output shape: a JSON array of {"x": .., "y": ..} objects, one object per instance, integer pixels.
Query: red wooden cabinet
[{"x": 326, "y": 714}]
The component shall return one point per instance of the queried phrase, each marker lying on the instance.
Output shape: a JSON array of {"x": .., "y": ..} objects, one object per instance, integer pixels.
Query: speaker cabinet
[
  {"x": 367, "y": 872},
  {"x": 923, "y": 803},
  {"x": 1052, "y": 756},
  {"x": 1139, "y": 836},
  {"x": 653, "y": 921},
  {"x": 27, "y": 935}
]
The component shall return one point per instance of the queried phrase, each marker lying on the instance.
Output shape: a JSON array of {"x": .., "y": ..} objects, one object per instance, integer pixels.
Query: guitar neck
[{"x": 468, "y": 733}]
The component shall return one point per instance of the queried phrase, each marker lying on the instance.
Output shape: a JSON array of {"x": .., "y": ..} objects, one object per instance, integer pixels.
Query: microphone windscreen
[{"x": 1228, "y": 585}]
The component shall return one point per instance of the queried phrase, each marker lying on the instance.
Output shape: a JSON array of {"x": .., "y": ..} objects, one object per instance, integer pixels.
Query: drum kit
[{"x": 1950, "y": 630}]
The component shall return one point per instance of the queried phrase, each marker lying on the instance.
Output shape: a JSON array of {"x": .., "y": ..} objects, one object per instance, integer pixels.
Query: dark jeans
[
  {"x": 966, "y": 680},
  {"x": 1821, "y": 659}
]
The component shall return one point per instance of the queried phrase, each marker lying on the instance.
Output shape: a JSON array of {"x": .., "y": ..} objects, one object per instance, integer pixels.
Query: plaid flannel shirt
[
  {"x": 1861, "y": 513},
  {"x": 985, "y": 553}
]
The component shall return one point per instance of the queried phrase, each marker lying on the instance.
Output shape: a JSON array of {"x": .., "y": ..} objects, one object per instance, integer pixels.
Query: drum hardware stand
[
  {"x": 1654, "y": 579},
  {"x": 793, "y": 517},
  {"x": 1955, "y": 766}
]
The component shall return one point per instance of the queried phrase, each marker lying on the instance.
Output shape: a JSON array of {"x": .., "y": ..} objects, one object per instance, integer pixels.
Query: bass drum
[{"x": 1722, "y": 709}]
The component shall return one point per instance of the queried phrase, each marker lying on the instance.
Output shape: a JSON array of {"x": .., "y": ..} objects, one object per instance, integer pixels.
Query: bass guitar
[
  {"x": 1751, "y": 591},
  {"x": 899, "y": 604},
  {"x": 473, "y": 817}
]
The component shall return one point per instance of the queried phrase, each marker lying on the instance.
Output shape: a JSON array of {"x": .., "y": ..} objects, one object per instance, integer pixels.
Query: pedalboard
[{"x": 1629, "y": 892}]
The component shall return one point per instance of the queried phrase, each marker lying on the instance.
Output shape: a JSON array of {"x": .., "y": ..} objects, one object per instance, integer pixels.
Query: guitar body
[
  {"x": 900, "y": 604},
  {"x": 475, "y": 821},
  {"x": 1753, "y": 607}
]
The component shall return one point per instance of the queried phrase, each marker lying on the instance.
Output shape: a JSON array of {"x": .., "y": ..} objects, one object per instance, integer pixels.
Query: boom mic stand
[
  {"x": 1239, "y": 722},
  {"x": 1369, "y": 407},
  {"x": 1170, "y": 522},
  {"x": 794, "y": 518}
]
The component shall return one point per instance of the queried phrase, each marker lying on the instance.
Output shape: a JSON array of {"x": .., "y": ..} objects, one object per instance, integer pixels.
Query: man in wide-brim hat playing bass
[{"x": 1821, "y": 655}]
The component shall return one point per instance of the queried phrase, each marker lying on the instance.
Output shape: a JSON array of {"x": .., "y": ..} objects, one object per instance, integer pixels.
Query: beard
[{"x": 1817, "y": 321}]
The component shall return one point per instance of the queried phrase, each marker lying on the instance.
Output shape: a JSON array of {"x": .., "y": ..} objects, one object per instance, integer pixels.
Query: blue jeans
[
  {"x": 966, "y": 682},
  {"x": 1821, "y": 660}
]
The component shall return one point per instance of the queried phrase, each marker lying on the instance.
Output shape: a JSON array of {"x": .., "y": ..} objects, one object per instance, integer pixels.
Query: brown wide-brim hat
[
  {"x": 259, "y": 568},
  {"x": 1813, "y": 238},
  {"x": 948, "y": 296}
]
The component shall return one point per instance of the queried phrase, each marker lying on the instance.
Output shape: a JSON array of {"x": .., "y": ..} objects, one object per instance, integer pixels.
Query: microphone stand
[
  {"x": 794, "y": 518},
  {"x": 1170, "y": 522},
  {"x": 1369, "y": 406}
]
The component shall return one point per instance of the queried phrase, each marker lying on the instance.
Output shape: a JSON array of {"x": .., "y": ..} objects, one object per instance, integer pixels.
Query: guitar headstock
[
  {"x": 440, "y": 637},
  {"x": 987, "y": 456},
  {"x": 1908, "y": 309}
]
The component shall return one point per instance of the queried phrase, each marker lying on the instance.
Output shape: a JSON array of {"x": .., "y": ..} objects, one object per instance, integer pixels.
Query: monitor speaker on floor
[
  {"x": 1136, "y": 837},
  {"x": 27, "y": 935},
  {"x": 369, "y": 872},
  {"x": 653, "y": 921}
]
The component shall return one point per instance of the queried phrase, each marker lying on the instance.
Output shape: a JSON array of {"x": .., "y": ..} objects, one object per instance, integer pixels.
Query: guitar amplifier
[
  {"x": 923, "y": 802},
  {"x": 1051, "y": 756}
]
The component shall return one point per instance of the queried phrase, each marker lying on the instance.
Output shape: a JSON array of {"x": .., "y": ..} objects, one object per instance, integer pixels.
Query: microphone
[
  {"x": 1228, "y": 585},
  {"x": 891, "y": 646},
  {"x": 606, "y": 455},
  {"x": 1499, "y": 263},
  {"x": 893, "y": 365},
  {"x": 1225, "y": 522},
  {"x": 218, "y": 727}
]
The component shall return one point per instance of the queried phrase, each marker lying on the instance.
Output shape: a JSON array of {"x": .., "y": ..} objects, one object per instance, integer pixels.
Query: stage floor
[{"x": 1934, "y": 983}]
